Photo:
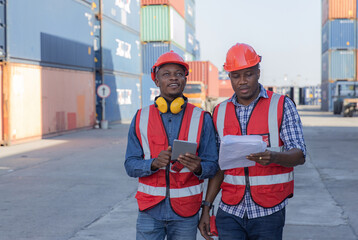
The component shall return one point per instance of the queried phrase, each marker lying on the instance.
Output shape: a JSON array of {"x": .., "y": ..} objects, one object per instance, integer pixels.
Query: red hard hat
[
  {"x": 241, "y": 56},
  {"x": 169, "y": 57}
]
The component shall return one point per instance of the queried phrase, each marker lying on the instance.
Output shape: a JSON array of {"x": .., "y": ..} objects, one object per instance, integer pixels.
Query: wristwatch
[{"x": 206, "y": 203}]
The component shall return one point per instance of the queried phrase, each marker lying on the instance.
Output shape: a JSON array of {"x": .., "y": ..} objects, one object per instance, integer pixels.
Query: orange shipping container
[
  {"x": 335, "y": 9},
  {"x": 207, "y": 73},
  {"x": 179, "y": 5},
  {"x": 43, "y": 100},
  {"x": 225, "y": 88}
]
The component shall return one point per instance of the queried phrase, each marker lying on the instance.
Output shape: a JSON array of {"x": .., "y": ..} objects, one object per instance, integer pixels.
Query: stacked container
[
  {"x": 207, "y": 73},
  {"x": 165, "y": 25},
  {"x": 120, "y": 65},
  {"x": 339, "y": 46},
  {"x": 47, "y": 68}
]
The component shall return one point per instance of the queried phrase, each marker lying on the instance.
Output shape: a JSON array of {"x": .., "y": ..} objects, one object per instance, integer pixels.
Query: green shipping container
[{"x": 162, "y": 23}]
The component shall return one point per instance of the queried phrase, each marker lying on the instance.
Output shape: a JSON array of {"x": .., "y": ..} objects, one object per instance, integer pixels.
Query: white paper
[{"x": 234, "y": 149}]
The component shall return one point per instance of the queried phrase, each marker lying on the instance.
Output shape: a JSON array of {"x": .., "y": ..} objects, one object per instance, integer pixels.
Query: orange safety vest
[
  {"x": 183, "y": 188},
  {"x": 269, "y": 185}
]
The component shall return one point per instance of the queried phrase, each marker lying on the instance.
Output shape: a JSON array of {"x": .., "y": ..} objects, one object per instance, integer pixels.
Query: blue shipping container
[
  {"x": 341, "y": 65},
  {"x": 120, "y": 48},
  {"x": 325, "y": 67},
  {"x": 197, "y": 50},
  {"x": 124, "y": 100},
  {"x": 152, "y": 50},
  {"x": 339, "y": 34},
  {"x": 51, "y": 33},
  {"x": 149, "y": 90},
  {"x": 189, "y": 39},
  {"x": 126, "y": 12},
  {"x": 2, "y": 29},
  {"x": 190, "y": 12}
]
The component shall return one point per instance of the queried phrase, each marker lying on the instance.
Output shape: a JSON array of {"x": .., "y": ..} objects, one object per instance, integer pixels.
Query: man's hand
[
  {"x": 263, "y": 158},
  {"x": 191, "y": 161},
  {"x": 204, "y": 224},
  {"x": 162, "y": 160}
]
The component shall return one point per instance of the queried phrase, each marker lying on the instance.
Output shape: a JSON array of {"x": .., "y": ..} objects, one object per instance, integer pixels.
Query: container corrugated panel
[
  {"x": 325, "y": 67},
  {"x": 213, "y": 82},
  {"x": 2, "y": 29},
  {"x": 190, "y": 38},
  {"x": 206, "y": 73},
  {"x": 124, "y": 100},
  {"x": 152, "y": 50},
  {"x": 38, "y": 32},
  {"x": 324, "y": 11},
  {"x": 197, "y": 50},
  {"x": 178, "y": 5},
  {"x": 190, "y": 12},
  {"x": 342, "y": 65},
  {"x": 45, "y": 100},
  {"x": 124, "y": 12},
  {"x": 339, "y": 34},
  {"x": 149, "y": 90},
  {"x": 188, "y": 57},
  {"x": 342, "y": 9},
  {"x": 1, "y": 104},
  {"x": 120, "y": 48},
  {"x": 162, "y": 23},
  {"x": 324, "y": 96},
  {"x": 225, "y": 88}
]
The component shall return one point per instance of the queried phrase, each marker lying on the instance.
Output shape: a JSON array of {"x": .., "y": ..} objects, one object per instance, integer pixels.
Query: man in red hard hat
[
  {"x": 254, "y": 198},
  {"x": 170, "y": 193}
]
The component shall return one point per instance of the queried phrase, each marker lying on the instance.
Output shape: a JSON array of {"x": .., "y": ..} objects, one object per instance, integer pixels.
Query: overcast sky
[{"x": 286, "y": 33}]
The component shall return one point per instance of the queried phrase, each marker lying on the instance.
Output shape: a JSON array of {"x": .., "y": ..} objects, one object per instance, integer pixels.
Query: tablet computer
[{"x": 182, "y": 147}]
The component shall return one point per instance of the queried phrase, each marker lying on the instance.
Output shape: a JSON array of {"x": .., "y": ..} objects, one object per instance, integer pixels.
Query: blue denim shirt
[{"x": 136, "y": 166}]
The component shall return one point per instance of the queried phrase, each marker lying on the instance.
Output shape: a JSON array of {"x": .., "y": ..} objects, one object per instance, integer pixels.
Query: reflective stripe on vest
[
  {"x": 221, "y": 119},
  {"x": 174, "y": 193},
  {"x": 259, "y": 180},
  {"x": 272, "y": 123},
  {"x": 143, "y": 123}
]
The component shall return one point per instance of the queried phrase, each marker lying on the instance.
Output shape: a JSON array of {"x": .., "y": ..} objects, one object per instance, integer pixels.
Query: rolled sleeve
[{"x": 291, "y": 131}]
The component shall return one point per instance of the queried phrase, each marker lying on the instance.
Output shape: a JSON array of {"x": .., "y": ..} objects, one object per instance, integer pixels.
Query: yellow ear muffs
[
  {"x": 161, "y": 104},
  {"x": 177, "y": 105}
]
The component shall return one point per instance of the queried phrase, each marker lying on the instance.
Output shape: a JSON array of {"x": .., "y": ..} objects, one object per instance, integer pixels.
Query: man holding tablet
[{"x": 170, "y": 192}]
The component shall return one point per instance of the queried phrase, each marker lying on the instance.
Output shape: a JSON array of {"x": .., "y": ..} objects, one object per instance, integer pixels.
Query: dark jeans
[{"x": 231, "y": 227}]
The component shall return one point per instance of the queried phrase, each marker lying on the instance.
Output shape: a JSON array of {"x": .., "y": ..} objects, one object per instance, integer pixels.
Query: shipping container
[
  {"x": 190, "y": 13},
  {"x": 48, "y": 37},
  {"x": 189, "y": 57},
  {"x": 44, "y": 100},
  {"x": 120, "y": 48},
  {"x": 162, "y": 23},
  {"x": 124, "y": 100},
  {"x": 125, "y": 12},
  {"x": 190, "y": 38},
  {"x": 178, "y": 5},
  {"x": 339, "y": 65},
  {"x": 325, "y": 96},
  {"x": 339, "y": 34},
  {"x": 149, "y": 90},
  {"x": 152, "y": 50},
  {"x": 225, "y": 88},
  {"x": 338, "y": 9},
  {"x": 2, "y": 30},
  {"x": 197, "y": 50},
  {"x": 206, "y": 72},
  {"x": 1, "y": 106}
]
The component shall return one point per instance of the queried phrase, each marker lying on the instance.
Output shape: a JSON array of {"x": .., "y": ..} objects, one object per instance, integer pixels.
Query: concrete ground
[{"x": 74, "y": 186}]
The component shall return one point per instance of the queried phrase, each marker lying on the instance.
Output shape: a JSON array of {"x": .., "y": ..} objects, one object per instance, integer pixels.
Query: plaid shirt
[{"x": 292, "y": 137}]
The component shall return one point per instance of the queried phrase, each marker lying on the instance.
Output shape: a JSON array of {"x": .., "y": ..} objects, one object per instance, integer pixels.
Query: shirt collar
[{"x": 262, "y": 93}]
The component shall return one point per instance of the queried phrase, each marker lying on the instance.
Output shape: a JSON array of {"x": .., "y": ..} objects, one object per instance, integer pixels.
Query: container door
[{"x": 1, "y": 106}]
